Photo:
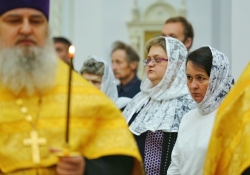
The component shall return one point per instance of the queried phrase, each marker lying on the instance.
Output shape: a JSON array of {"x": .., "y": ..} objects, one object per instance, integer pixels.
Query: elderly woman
[
  {"x": 155, "y": 113},
  {"x": 209, "y": 80},
  {"x": 100, "y": 74}
]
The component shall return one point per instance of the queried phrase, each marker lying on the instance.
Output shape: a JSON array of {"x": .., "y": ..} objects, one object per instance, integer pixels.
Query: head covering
[
  {"x": 220, "y": 82},
  {"x": 108, "y": 85},
  {"x": 169, "y": 99},
  {"x": 41, "y": 5}
]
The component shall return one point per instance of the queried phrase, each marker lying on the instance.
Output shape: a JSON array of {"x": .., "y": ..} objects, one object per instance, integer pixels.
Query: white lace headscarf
[
  {"x": 108, "y": 85},
  {"x": 220, "y": 82},
  {"x": 169, "y": 99}
]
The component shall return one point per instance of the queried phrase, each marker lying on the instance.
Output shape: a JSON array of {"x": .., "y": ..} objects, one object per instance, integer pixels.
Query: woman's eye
[
  {"x": 200, "y": 78},
  {"x": 157, "y": 60}
]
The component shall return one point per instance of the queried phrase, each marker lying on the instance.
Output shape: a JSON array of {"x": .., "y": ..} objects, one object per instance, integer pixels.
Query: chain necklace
[{"x": 34, "y": 141}]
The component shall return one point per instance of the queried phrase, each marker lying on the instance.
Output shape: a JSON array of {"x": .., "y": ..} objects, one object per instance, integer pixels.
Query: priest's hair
[{"x": 29, "y": 69}]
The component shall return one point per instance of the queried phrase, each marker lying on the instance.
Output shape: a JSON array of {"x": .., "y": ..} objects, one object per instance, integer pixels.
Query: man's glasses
[{"x": 154, "y": 61}]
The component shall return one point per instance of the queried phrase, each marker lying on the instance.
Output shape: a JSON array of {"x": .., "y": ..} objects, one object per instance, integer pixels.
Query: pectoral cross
[{"x": 35, "y": 142}]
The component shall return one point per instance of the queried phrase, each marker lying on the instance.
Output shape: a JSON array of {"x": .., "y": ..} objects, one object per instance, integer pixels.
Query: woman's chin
[
  {"x": 151, "y": 76},
  {"x": 197, "y": 99},
  {"x": 152, "y": 79}
]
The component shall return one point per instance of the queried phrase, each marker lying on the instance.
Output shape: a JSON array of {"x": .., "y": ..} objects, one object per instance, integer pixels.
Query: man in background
[
  {"x": 124, "y": 64},
  {"x": 179, "y": 28},
  {"x": 61, "y": 46}
]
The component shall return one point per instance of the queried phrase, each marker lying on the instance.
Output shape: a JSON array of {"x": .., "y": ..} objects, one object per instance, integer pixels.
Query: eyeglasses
[{"x": 154, "y": 60}]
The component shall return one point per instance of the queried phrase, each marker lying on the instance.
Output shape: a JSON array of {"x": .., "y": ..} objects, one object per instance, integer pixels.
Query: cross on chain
[{"x": 35, "y": 142}]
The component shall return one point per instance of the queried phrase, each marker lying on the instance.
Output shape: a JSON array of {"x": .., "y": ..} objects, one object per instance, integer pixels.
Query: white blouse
[{"x": 190, "y": 149}]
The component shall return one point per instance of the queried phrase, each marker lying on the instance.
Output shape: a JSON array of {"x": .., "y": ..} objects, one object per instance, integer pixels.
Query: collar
[{"x": 129, "y": 85}]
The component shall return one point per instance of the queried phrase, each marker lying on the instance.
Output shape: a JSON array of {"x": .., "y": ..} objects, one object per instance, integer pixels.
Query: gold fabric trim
[{"x": 228, "y": 151}]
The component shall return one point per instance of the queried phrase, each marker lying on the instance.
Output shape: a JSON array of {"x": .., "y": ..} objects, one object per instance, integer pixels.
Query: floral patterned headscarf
[
  {"x": 108, "y": 85},
  {"x": 168, "y": 101},
  {"x": 220, "y": 82}
]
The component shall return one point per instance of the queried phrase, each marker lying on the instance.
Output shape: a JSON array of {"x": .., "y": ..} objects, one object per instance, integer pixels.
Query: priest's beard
[{"x": 30, "y": 69}]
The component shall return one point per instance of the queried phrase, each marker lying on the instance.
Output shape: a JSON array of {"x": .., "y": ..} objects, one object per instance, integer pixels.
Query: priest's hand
[{"x": 71, "y": 166}]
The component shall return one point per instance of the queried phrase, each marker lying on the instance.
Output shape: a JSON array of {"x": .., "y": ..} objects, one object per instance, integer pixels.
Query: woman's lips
[{"x": 196, "y": 94}]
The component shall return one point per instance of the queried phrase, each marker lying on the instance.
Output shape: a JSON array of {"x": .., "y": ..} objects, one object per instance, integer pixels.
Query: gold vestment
[
  {"x": 97, "y": 127},
  {"x": 229, "y": 148}
]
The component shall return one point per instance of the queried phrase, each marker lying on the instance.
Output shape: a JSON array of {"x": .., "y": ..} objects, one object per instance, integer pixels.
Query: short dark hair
[
  {"x": 188, "y": 28},
  {"x": 131, "y": 54},
  {"x": 61, "y": 40},
  {"x": 201, "y": 58}
]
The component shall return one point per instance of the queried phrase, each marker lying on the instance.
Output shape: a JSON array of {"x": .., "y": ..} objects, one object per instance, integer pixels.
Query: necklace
[{"x": 34, "y": 141}]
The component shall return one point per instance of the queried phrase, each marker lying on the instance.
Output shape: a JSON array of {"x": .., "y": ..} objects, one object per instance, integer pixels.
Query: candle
[{"x": 71, "y": 56}]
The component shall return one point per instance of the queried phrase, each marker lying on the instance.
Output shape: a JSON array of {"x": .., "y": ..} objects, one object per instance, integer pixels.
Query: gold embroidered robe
[
  {"x": 97, "y": 127},
  {"x": 229, "y": 148}
]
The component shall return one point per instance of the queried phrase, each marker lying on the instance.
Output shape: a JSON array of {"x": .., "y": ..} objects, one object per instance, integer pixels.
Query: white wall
[
  {"x": 87, "y": 29},
  {"x": 240, "y": 36},
  {"x": 62, "y": 18},
  {"x": 95, "y": 25},
  {"x": 211, "y": 20},
  {"x": 224, "y": 30},
  {"x": 199, "y": 13}
]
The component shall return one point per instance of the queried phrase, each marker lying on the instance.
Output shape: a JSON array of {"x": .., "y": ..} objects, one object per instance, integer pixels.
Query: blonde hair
[{"x": 158, "y": 41}]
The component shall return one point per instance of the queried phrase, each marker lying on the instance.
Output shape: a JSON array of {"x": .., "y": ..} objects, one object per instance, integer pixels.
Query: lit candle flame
[{"x": 71, "y": 51}]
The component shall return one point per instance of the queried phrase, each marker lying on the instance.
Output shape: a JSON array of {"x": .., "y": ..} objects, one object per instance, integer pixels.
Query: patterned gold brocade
[
  {"x": 97, "y": 127},
  {"x": 229, "y": 149}
]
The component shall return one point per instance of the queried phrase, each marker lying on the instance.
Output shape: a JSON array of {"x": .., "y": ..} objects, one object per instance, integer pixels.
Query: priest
[{"x": 33, "y": 103}]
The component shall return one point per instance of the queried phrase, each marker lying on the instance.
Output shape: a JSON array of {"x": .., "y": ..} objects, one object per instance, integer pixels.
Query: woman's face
[
  {"x": 96, "y": 80},
  {"x": 197, "y": 81},
  {"x": 155, "y": 71}
]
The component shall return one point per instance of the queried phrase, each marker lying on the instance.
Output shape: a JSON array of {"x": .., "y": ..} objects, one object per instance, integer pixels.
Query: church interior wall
[
  {"x": 240, "y": 36},
  {"x": 94, "y": 25}
]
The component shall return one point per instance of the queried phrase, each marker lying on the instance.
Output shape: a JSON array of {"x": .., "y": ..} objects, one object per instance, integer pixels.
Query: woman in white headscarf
[
  {"x": 100, "y": 74},
  {"x": 155, "y": 113},
  {"x": 209, "y": 80}
]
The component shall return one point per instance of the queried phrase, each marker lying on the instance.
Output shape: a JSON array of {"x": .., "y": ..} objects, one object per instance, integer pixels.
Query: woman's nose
[{"x": 193, "y": 84}]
